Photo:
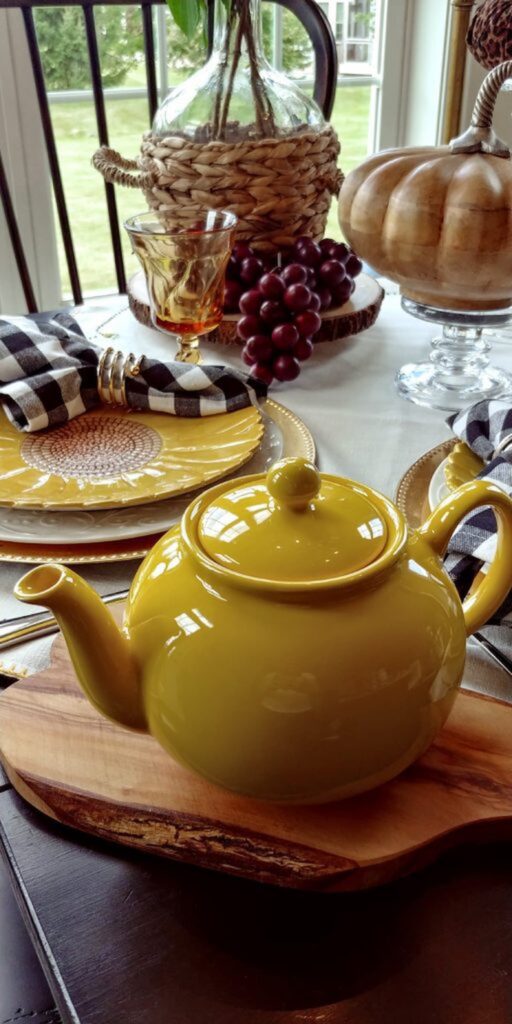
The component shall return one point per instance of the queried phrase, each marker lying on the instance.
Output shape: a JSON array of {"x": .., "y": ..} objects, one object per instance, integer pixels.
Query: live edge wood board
[
  {"x": 87, "y": 773},
  {"x": 358, "y": 314}
]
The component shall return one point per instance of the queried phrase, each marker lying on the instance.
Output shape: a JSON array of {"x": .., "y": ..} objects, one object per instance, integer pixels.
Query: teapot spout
[{"x": 100, "y": 651}]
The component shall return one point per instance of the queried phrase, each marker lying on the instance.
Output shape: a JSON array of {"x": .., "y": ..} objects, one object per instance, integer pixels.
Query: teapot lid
[{"x": 294, "y": 524}]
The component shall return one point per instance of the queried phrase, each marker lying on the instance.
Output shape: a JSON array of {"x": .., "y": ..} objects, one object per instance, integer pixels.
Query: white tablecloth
[{"x": 346, "y": 396}]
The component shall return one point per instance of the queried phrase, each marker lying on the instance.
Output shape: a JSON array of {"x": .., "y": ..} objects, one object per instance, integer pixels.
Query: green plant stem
[
  {"x": 222, "y": 72},
  {"x": 237, "y": 52},
  {"x": 265, "y": 122},
  {"x": 256, "y": 86},
  {"x": 264, "y": 119},
  {"x": 186, "y": 14}
]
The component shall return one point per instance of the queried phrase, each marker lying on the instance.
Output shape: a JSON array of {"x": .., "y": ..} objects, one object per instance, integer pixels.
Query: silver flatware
[
  {"x": 39, "y": 624},
  {"x": 501, "y": 659}
]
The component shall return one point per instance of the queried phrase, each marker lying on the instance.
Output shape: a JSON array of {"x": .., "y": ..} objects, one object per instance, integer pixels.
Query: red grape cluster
[{"x": 281, "y": 306}]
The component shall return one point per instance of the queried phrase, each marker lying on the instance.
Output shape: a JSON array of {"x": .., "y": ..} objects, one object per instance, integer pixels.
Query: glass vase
[{"x": 237, "y": 94}]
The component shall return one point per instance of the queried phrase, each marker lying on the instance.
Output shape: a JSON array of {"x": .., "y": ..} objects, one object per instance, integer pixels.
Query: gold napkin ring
[
  {"x": 504, "y": 443},
  {"x": 113, "y": 370}
]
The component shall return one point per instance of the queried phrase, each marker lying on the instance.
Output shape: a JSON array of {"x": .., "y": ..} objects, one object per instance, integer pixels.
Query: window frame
[{"x": 390, "y": 115}]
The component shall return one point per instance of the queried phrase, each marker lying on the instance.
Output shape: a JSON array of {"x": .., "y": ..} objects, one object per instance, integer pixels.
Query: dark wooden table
[
  {"x": 129, "y": 938},
  {"x": 24, "y": 993}
]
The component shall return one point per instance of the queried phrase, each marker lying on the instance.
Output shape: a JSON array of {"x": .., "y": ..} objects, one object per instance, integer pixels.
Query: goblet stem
[
  {"x": 188, "y": 351},
  {"x": 458, "y": 355},
  {"x": 458, "y": 372}
]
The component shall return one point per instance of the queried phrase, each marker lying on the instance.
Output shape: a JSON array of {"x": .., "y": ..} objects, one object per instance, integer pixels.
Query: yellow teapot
[{"x": 291, "y": 640}]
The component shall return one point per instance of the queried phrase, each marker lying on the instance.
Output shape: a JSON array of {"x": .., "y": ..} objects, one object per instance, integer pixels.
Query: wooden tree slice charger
[
  {"x": 88, "y": 773},
  {"x": 358, "y": 314}
]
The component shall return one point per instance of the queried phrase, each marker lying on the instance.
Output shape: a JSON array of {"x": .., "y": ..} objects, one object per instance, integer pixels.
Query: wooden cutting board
[{"x": 85, "y": 772}]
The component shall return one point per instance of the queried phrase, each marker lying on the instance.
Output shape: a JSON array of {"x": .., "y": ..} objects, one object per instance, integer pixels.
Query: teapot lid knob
[{"x": 294, "y": 483}]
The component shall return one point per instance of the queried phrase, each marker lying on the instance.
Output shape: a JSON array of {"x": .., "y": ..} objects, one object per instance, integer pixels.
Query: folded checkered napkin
[
  {"x": 49, "y": 375},
  {"x": 473, "y": 545}
]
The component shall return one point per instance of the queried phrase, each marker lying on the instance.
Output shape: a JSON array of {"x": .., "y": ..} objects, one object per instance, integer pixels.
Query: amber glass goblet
[{"x": 185, "y": 272}]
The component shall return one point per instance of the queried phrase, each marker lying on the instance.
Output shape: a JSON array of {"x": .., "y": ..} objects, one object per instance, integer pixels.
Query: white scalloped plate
[{"x": 438, "y": 488}]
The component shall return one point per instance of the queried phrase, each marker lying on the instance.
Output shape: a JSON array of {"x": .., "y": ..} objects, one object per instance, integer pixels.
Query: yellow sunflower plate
[{"x": 112, "y": 457}]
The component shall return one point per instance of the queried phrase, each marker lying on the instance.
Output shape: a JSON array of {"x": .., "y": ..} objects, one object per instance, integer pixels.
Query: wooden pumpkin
[{"x": 438, "y": 221}]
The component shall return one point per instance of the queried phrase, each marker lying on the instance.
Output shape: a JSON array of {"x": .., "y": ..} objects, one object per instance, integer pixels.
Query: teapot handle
[{"x": 487, "y": 597}]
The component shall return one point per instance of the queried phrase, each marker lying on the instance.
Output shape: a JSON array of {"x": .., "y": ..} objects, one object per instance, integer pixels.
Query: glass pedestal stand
[{"x": 458, "y": 372}]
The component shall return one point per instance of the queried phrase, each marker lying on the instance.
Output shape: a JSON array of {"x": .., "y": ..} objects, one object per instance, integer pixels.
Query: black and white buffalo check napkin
[
  {"x": 482, "y": 427},
  {"x": 49, "y": 375}
]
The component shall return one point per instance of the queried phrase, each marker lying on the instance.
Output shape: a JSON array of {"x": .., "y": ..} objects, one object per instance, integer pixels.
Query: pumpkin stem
[{"x": 480, "y": 137}]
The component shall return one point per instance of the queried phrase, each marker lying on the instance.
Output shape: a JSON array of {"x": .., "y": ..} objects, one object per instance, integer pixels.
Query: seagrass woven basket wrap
[
  {"x": 279, "y": 188},
  {"x": 490, "y": 33}
]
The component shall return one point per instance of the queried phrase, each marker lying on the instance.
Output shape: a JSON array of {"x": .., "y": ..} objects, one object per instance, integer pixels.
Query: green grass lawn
[{"x": 75, "y": 129}]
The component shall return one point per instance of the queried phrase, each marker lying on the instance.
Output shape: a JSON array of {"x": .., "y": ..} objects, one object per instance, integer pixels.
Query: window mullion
[
  {"x": 161, "y": 49},
  {"x": 24, "y": 154},
  {"x": 388, "y": 100}
]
